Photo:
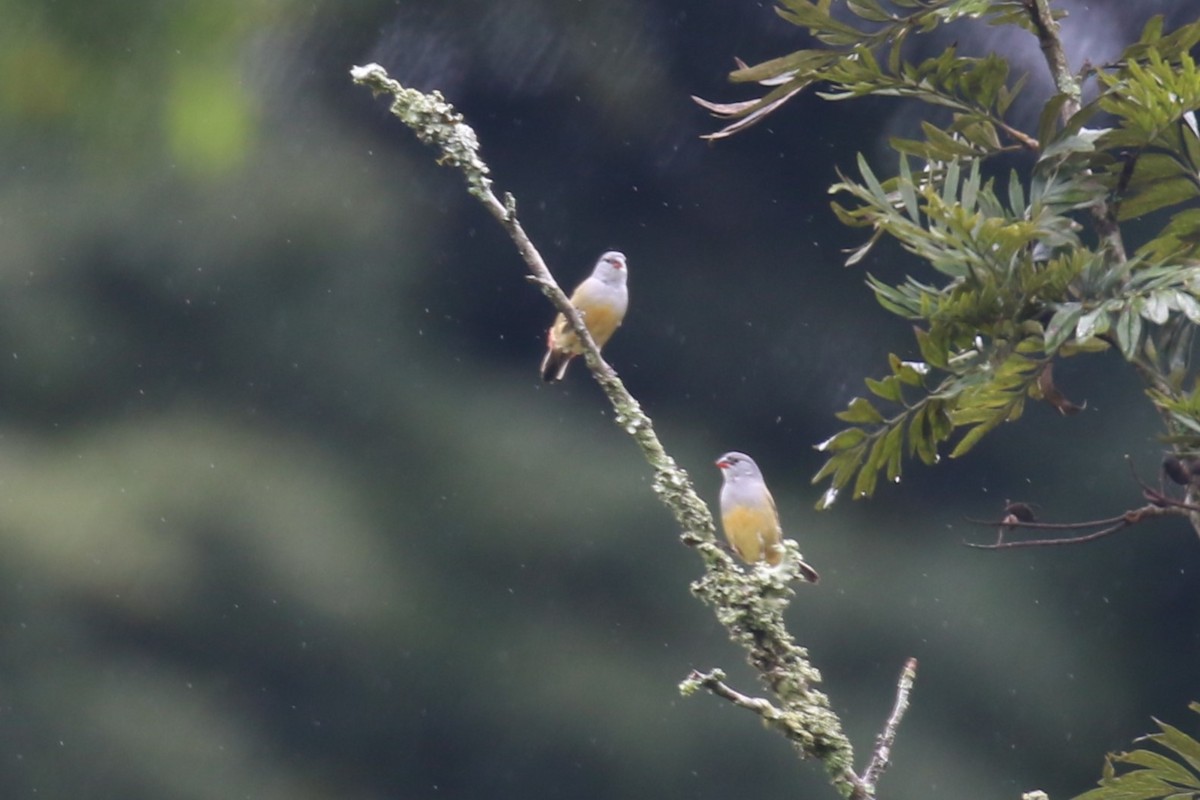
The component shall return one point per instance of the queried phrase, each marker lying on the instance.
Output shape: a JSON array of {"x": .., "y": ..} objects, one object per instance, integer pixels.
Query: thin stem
[
  {"x": 1026, "y": 141},
  {"x": 1111, "y": 526},
  {"x": 1053, "y": 526},
  {"x": 1091, "y": 537},
  {"x": 881, "y": 758}
]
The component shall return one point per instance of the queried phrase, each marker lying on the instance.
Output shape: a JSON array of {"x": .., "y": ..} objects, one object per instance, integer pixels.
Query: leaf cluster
[
  {"x": 1148, "y": 775},
  {"x": 1016, "y": 281},
  {"x": 1153, "y": 155},
  {"x": 980, "y": 327},
  {"x": 864, "y": 56}
]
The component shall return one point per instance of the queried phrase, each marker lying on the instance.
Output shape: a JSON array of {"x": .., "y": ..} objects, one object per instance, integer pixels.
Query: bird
[
  {"x": 601, "y": 300},
  {"x": 748, "y": 514}
]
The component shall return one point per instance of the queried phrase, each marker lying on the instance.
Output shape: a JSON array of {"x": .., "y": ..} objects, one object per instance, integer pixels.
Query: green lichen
[{"x": 435, "y": 122}]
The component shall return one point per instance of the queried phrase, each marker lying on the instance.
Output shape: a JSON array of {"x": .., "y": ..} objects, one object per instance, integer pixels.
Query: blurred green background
[{"x": 285, "y": 512}]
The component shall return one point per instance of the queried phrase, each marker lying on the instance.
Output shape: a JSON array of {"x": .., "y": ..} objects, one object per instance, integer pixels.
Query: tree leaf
[
  {"x": 1129, "y": 329},
  {"x": 1016, "y": 193},
  {"x": 888, "y": 388},
  {"x": 1062, "y": 325},
  {"x": 1166, "y": 769},
  {"x": 1187, "y": 304},
  {"x": 842, "y": 440},
  {"x": 1157, "y": 307},
  {"x": 974, "y": 435},
  {"x": 907, "y": 195},
  {"x": 868, "y": 475},
  {"x": 932, "y": 351},
  {"x": 1178, "y": 741},
  {"x": 1092, "y": 324},
  {"x": 860, "y": 411},
  {"x": 894, "y": 451}
]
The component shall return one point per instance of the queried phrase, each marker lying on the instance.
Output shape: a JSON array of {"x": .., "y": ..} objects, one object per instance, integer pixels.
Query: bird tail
[
  {"x": 554, "y": 365},
  {"x": 808, "y": 572},
  {"x": 775, "y": 556}
]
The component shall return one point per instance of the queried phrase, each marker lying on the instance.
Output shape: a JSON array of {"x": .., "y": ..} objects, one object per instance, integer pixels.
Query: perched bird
[
  {"x": 748, "y": 514},
  {"x": 601, "y": 299}
]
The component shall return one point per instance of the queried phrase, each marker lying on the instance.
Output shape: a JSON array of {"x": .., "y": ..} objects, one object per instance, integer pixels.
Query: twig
[
  {"x": 862, "y": 788},
  {"x": 1112, "y": 525},
  {"x": 714, "y": 682},
  {"x": 1054, "y": 526},
  {"x": 1159, "y": 499},
  {"x": 1025, "y": 140},
  {"x": 1091, "y": 537},
  {"x": 747, "y": 602},
  {"x": 1161, "y": 505},
  {"x": 1104, "y": 217},
  {"x": 881, "y": 758}
]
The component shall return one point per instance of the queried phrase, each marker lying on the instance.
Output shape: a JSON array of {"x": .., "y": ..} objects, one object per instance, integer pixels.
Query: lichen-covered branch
[
  {"x": 794, "y": 726},
  {"x": 1056, "y": 57},
  {"x": 748, "y": 602},
  {"x": 434, "y": 121}
]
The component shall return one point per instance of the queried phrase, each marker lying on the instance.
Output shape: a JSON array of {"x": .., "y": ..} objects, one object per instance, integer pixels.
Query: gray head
[
  {"x": 610, "y": 269},
  {"x": 737, "y": 466}
]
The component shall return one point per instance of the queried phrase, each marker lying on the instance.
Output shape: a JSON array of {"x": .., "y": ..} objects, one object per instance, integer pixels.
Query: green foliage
[
  {"x": 865, "y": 59},
  {"x": 1016, "y": 287},
  {"x": 1156, "y": 149},
  {"x": 1151, "y": 775},
  {"x": 1016, "y": 279}
]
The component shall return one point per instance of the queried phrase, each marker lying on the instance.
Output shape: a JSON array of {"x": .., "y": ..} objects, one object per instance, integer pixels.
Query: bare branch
[
  {"x": 1111, "y": 526},
  {"x": 1160, "y": 505},
  {"x": 1010, "y": 524},
  {"x": 1091, "y": 537},
  {"x": 881, "y": 758}
]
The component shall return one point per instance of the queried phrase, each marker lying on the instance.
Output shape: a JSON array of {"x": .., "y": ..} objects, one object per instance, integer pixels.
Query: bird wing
[
  {"x": 603, "y": 309},
  {"x": 774, "y": 511}
]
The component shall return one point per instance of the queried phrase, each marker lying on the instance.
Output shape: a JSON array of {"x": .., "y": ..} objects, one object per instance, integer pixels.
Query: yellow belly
[
  {"x": 754, "y": 534},
  {"x": 601, "y": 324}
]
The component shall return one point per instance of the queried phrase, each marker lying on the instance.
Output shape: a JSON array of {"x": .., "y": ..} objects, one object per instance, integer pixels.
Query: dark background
[{"x": 285, "y": 512}]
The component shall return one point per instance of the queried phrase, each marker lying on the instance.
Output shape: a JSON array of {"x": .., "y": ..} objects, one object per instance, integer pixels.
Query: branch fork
[{"x": 749, "y": 603}]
